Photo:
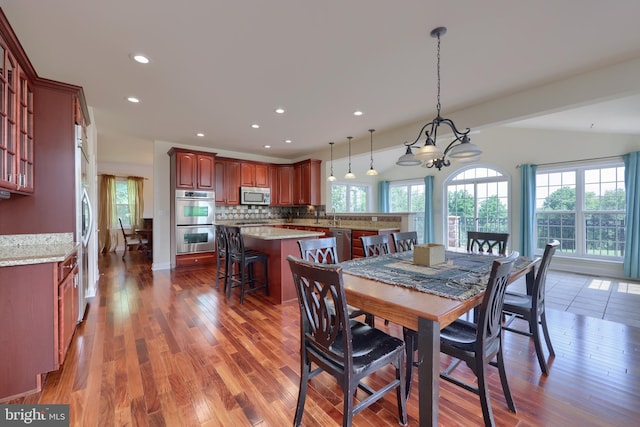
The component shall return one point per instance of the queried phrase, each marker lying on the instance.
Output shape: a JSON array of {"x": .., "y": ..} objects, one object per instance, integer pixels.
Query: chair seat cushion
[
  {"x": 460, "y": 334},
  {"x": 369, "y": 345},
  {"x": 516, "y": 302}
]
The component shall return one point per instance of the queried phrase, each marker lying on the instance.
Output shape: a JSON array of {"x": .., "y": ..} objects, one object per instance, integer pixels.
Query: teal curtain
[
  {"x": 429, "y": 233},
  {"x": 527, "y": 209},
  {"x": 383, "y": 196},
  {"x": 631, "y": 261}
]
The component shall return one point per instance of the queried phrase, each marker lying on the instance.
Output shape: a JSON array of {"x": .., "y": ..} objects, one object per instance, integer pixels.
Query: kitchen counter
[
  {"x": 273, "y": 233},
  {"x": 25, "y": 249}
]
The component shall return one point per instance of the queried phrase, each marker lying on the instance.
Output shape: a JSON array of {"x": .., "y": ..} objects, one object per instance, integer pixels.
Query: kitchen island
[{"x": 277, "y": 243}]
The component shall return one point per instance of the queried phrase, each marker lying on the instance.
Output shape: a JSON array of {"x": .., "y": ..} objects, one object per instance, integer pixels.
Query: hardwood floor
[{"x": 166, "y": 348}]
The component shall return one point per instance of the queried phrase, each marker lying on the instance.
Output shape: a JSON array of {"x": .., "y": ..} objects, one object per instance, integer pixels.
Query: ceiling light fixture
[
  {"x": 140, "y": 58},
  {"x": 372, "y": 171},
  {"x": 430, "y": 154},
  {"x": 287, "y": 141},
  {"x": 267, "y": 146},
  {"x": 331, "y": 177},
  {"x": 255, "y": 126},
  {"x": 200, "y": 134},
  {"x": 133, "y": 99},
  {"x": 279, "y": 110},
  {"x": 358, "y": 113},
  {"x": 349, "y": 174}
]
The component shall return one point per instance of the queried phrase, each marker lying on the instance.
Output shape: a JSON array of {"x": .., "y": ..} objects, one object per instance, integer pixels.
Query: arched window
[{"x": 476, "y": 199}]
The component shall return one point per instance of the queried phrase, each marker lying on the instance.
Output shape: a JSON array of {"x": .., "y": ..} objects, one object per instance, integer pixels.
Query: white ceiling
[{"x": 219, "y": 66}]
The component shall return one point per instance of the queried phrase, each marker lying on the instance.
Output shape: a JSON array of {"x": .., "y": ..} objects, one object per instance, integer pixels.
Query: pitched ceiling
[{"x": 219, "y": 66}]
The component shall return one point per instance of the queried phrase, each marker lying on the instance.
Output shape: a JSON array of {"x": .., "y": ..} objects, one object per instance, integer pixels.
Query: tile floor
[{"x": 616, "y": 300}]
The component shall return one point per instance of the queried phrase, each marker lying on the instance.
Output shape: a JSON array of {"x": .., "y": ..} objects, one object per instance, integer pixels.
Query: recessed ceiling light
[
  {"x": 200, "y": 134},
  {"x": 140, "y": 58},
  {"x": 255, "y": 126},
  {"x": 133, "y": 99},
  {"x": 287, "y": 141},
  {"x": 358, "y": 113},
  {"x": 267, "y": 146},
  {"x": 280, "y": 110}
]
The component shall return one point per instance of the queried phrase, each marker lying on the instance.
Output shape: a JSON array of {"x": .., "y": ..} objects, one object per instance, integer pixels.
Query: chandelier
[{"x": 430, "y": 155}]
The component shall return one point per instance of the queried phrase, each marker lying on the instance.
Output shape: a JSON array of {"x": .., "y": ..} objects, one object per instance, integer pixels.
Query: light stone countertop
[
  {"x": 273, "y": 233},
  {"x": 25, "y": 249}
]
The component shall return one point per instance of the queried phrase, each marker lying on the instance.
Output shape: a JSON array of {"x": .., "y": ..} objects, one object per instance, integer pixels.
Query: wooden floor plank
[{"x": 166, "y": 348}]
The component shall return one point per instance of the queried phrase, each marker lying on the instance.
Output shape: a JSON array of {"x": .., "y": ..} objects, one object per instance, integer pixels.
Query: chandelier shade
[{"x": 430, "y": 155}]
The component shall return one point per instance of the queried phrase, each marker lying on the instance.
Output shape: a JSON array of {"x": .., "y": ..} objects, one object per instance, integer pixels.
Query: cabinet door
[
  {"x": 307, "y": 182},
  {"x": 274, "y": 186},
  {"x": 67, "y": 312},
  {"x": 262, "y": 176},
  {"x": 232, "y": 182},
  {"x": 186, "y": 165},
  {"x": 205, "y": 172},
  {"x": 247, "y": 174},
  {"x": 285, "y": 182},
  {"x": 221, "y": 193}
]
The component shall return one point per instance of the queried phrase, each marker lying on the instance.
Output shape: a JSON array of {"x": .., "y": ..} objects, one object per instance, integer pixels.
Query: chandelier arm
[{"x": 419, "y": 135}]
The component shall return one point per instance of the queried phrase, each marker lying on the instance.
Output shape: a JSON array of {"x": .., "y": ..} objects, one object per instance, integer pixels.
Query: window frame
[
  {"x": 501, "y": 175},
  {"x": 581, "y": 211},
  {"x": 408, "y": 184},
  {"x": 348, "y": 185}
]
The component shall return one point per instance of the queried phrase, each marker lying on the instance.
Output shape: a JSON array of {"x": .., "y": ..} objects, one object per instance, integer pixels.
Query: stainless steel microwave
[{"x": 255, "y": 196}]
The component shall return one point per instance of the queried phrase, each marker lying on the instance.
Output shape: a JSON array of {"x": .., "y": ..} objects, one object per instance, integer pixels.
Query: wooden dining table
[{"x": 426, "y": 313}]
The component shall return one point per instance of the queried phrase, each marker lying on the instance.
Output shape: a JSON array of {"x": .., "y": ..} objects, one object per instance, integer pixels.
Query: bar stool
[
  {"x": 222, "y": 255},
  {"x": 244, "y": 259}
]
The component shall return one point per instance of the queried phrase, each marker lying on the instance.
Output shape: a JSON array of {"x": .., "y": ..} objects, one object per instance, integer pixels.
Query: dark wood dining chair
[
  {"x": 222, "y": 256},
  {"x": 404, "y": 240},
  {"x": 324, "y": 251},
  {"x": 344, "y": 348},
  {"x": 531, "y": 308},
  {"x": 375, "y": 245},
  {"x": 241, "y": 266},
  {"x": 476, "y": 344},
  {"x": 490, "y": 243},
  {"x": 131, "y": 240}
]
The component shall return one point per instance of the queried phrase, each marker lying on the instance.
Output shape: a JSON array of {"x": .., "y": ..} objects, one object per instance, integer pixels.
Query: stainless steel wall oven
[{"x": 194, "y": 216}]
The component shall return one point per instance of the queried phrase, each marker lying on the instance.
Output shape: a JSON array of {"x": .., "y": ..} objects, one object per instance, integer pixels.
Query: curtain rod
[
  {"x": 574, "y": 161},
  {"x": 122, "y": 176}
]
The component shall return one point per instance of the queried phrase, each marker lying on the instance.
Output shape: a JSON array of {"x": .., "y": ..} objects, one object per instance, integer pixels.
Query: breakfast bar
[{"x": 277, "y": 243}]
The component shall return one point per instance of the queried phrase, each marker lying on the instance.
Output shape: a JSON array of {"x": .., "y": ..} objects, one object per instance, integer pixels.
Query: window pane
[
  {"x": 417, "y": 198},
  {"x": 399, "y": 199},
  {"x": 122, "y": 202},
  {"x": 339, "y": 197},
  {"x": 358, "y": 198},
  {"x": 557, "y": 226}
]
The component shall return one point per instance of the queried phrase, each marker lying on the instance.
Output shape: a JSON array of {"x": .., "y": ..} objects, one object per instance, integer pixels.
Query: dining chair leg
[
  {"x": 347, "y": 415},
  {"x": 505, "y": 383},
  {"x": 545, "y": 330},
  {"x": 305, "y": 370},
  {"x": 483, "y": 392}
]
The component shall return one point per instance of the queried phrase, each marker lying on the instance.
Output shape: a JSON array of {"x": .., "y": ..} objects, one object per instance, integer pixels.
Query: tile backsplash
[{"x": 264, "y": 213}]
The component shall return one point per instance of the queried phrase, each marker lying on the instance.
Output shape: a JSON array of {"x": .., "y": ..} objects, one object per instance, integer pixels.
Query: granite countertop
[
  {"x": 273, "y": 233},
  {"x": 25, "y": 249}
]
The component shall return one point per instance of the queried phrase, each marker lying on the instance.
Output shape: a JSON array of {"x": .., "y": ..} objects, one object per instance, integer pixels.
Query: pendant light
[
  {"x": 372, "y": 171},
  {"x": 430, "y": 155},
  {"x": 331, "y": 177},
  {"x": 349, "y": 174}
]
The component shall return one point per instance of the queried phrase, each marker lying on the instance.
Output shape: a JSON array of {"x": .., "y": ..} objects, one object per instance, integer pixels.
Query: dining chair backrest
[
  {"x": 323, "y": 307},
  {"x": 221, "y": 238},
  {"x": 375, "y": 245},
  {"x": 491, "y": 243},
  {"x": 405, "y": 240},
  {"x": 321, "y": 250},
  {"x": 490, "y": 318},
  {"x": 234, "y": 241},
  {"x": 538, "y": 291}
]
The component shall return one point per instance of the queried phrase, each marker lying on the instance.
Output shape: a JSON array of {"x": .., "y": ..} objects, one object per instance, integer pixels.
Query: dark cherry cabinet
[
  {"x": 227, "y": 181},
  {"x": 357, "y": 251},
  {"x": 16, "y": 124},
  {"x": 193, "y": 170},
  {"x": 307, "y": 182},
  {"x": 285, "y": 185}
]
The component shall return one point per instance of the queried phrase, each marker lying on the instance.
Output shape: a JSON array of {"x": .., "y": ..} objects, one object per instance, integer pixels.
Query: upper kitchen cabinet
[
  {"x": 193, "y": 170},
  {"x": 307, "y": 182},
  {"x": 227, "y": 181},
  {"x": 16, "y": 122},
  {"x": 254, "y": 175}
]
